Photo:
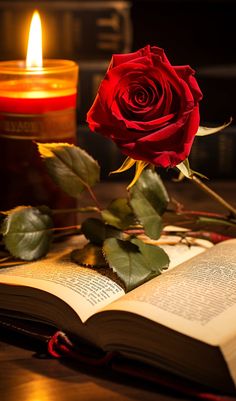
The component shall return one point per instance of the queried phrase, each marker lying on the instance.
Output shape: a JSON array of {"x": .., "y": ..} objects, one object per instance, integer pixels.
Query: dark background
[
  {"x": 196, "y": 32},
  {"x": 199, "y": 33},
  {"x": 193, "y": 31}
]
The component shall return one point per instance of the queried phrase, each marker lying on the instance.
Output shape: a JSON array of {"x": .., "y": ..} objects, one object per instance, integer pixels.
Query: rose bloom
[{"x": 148, "y": 107}]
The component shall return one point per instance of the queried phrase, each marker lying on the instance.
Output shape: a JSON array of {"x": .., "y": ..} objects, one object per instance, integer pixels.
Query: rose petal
[
  {"x": 157, "y": 51},
  {"x": 118, "y": 59},
  {"x": 187, "y": 74}
]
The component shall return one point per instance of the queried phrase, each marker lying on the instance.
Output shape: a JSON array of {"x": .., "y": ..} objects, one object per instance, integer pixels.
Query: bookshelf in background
[
  {"x": 214, "y": 155},
  {"x": 81, "y": 30},
  {"x": 218, "y": 84},
  {"x": 91, "y": 74}
]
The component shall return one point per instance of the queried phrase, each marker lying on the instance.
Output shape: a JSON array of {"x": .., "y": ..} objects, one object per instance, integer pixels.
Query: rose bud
[{"x": 148, "y": 107}]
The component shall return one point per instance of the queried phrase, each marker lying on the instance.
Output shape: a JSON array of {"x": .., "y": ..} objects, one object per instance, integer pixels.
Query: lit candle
[
  {"x": 37, "y": 103},
  {"x": 38, "y": 99}
]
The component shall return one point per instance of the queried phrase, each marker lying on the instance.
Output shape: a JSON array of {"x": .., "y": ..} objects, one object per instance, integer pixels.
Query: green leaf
[
  {"x": 70, "y": 167},
  {"x": 134, "y": 262},
  {"x": 152, "y": 188},
  {"x": 147, "y": 215},
  {"x": 203, "y": 131},
  {"x": 149, "y": 199},
  {"x": 156, "y": 258},
  {"x": 27, "y": 232},
  {"x": 215, "y": 221},
  {"x": 96, "y": 231},
  {"x": 119, "y": 214}
]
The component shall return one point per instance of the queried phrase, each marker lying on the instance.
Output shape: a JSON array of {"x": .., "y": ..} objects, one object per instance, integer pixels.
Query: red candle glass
[{"x": 37, "y": 104}]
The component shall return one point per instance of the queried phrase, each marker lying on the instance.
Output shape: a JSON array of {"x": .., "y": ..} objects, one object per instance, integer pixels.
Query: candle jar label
[{"x": 39, "y": 126}]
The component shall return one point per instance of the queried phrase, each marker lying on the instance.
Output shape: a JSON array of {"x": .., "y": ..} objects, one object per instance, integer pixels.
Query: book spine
[
  {"x": 215, "y": 155},
  {"x": 81, "y": 30}
]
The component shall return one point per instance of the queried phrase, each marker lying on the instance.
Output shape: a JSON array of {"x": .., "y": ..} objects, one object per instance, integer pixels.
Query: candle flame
[{"x": 34, "y": 52}]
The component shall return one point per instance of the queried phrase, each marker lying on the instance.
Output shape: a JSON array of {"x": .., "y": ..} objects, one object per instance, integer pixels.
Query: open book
[{"x": 183, "y": 321}]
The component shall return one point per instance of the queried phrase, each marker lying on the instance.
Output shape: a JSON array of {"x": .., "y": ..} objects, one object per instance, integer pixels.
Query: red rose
[{"x": 148, "y": 107}]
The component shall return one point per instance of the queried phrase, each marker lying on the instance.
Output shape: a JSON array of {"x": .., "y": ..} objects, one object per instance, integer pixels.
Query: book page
[
  {"x": 197, "y": 298},
  {"x": 180, "y": 251},
  {"x": 84, "y": 289}
]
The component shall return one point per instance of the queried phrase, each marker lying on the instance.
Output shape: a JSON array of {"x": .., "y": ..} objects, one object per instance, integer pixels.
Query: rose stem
[
  {"x": 93, "y": 196},
  {"x": 77, "y": 210},
  {"x": 213, "y": 194},
  {"x": 76, "y": 227}
]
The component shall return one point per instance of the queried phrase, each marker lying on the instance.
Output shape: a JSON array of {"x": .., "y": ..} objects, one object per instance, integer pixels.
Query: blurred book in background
[
  {"x": 215, "y": 155},
  {"x": 81, "y": 30},
  {"x": 91, "y": 74}
]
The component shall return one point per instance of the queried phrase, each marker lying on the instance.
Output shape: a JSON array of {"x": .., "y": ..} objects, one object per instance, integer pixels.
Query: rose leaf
[
  {"x": 147, "y": 215},
  {"x": 27, "y": 232},
  {"x": 96, "y": 231},
  {"x": 152, "y": 188},
  {"x": 149, "y": 199},
  {"x": 119, "y": 214},
  {"x": 70, "y": 167},
  {"x": 134, "y": 262}
]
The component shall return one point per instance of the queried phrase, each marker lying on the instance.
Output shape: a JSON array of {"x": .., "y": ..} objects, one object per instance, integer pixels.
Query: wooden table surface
[{"x": 24, "y": 376}]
